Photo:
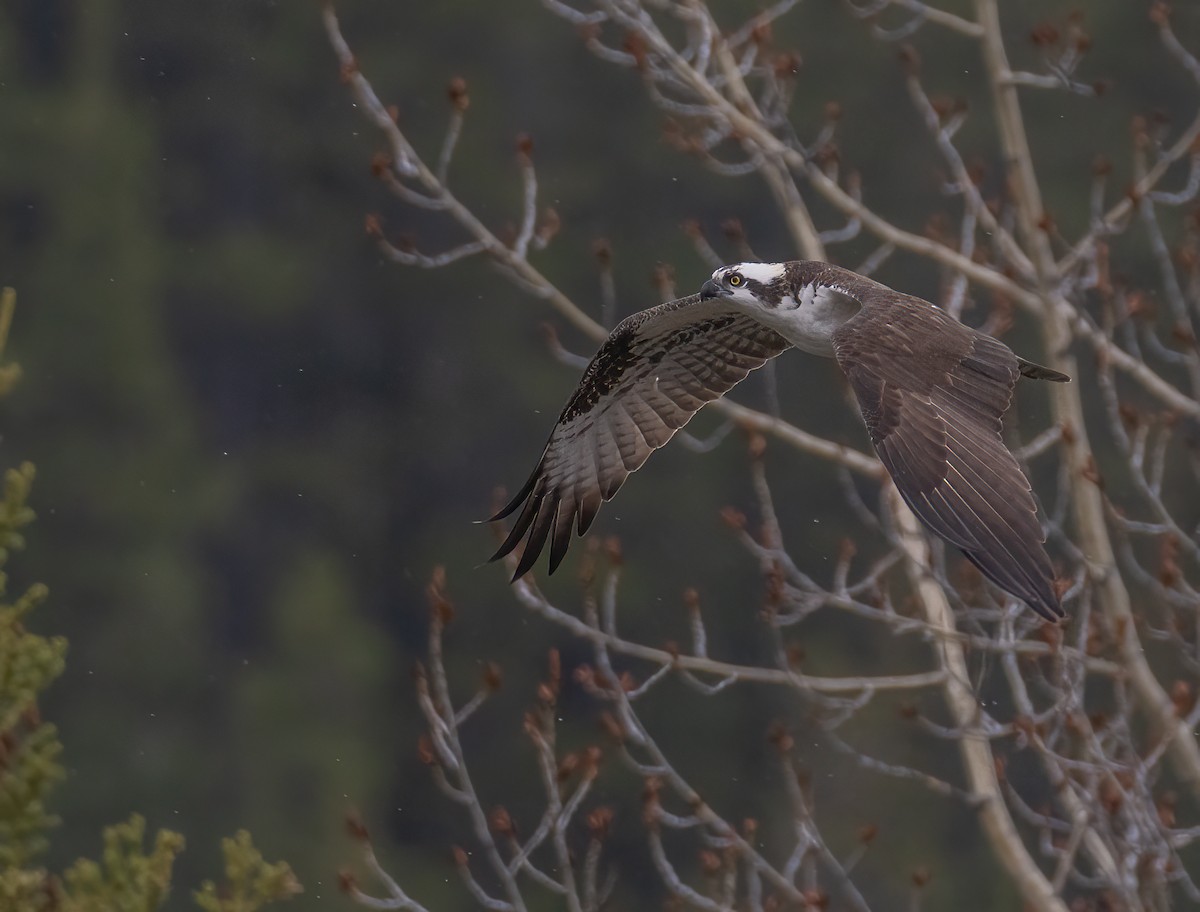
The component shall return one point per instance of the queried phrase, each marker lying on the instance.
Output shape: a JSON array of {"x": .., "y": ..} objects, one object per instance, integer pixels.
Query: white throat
[{"x": 809, "y": 323}]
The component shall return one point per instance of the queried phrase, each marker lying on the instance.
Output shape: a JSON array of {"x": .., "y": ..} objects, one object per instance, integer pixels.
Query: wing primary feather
[
  {"x": 521, "y": 495},
  {"x": 1037, "y": 372},
  {"x": 560, "y": 534},
  {"x": 1041, "y": 599},
  {"x": 519, "y": 527},
  {"x": 536, "y": 541},
  {"x": 587, "y": 493}
]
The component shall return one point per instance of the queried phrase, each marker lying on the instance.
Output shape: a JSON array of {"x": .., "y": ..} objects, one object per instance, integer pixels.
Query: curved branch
[
  {"x": 976, "y": 752},
  {"x": 1086, "y": 501}
]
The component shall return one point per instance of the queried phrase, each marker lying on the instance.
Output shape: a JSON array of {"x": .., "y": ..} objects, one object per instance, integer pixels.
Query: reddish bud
[
  {"x": 380, "y": 163},
  {"x": 1111, "y": 796},
  {"x": 733, "y": 230},
  {"x": 501, "y": 821},
  {"x": 1183, "y": 334},
  {"x": 733, "y": 518},
  {"x": 550, "y": 225},
  {"x": 592, "y": 755},
  {"x": 612, "y": 550},
  {"x": 612, "y": 727},
  {"x": 651, "y": 786},
  {"x": 525, "y": 149},
  {"x": 435, "y": 593},
  {"x": 816, "y": 899},
  {"x": 780, "y": 738},
  {"x": 567, "y": 767},
  {"x": 425, "y": 750},
  {"x": 635, "y": 46},
  {"x": 493, "y": 677},
  {"x": 710, "y": 861},
  {"x": 602, "y": 251},
  {"x": 1169, "y": 572},
  {"x": 599, "y": 820},
  {"x": 356, "y": 828},
  {"x": 847, "y": 549},
  {"x": 1183, "y": 698},
  {"x": 1051, "y": 635},
  {"x": 1044, "y": 34},
  {"x": 456, "y": 91},
  {"x": 1166, "y": 809},
  {"x": 786, "y": 65}
]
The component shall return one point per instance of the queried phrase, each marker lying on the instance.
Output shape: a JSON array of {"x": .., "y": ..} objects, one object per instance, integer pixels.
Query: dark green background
[{"x": 255, "y": 438}]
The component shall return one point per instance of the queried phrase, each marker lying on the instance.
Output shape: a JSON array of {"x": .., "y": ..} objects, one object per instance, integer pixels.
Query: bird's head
[
  {"x": 805, "y": 302},
  {"x": 752, "y": 285}
]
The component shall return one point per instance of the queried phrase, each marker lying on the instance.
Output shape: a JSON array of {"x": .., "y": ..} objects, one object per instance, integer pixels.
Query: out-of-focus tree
[
  {"x": 129, "y": 875},
  {"x": 1072, "y": 749}
]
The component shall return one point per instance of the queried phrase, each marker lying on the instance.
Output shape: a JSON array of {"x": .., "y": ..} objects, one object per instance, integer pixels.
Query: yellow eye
[{"x": 734, "y": 280}]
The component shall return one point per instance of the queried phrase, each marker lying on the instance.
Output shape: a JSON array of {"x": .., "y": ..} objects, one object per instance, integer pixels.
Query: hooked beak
[{"x": 711, "y": 289}]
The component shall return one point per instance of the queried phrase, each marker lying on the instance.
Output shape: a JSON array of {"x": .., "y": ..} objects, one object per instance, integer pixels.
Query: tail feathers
[{"x": 1037, "y": 372}]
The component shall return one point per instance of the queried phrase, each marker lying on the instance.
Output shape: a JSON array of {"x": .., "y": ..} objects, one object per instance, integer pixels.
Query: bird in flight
[{"x": 932, "y": 393}]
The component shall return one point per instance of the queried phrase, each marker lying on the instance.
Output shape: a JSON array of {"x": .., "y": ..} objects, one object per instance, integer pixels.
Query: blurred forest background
[{"x": 255, "y": 438}]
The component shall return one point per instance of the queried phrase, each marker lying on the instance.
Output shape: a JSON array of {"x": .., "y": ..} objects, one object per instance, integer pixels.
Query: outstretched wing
[
  {"x": 932, "y": 393},
  {"x": 652, "y": 374}
]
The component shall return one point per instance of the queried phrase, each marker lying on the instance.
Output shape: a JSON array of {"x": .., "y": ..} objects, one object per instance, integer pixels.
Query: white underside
[{"x": 809, "y": 324}]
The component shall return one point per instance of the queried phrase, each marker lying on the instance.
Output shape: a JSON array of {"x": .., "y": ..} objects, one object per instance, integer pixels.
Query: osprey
[{"x": 931, "y": 391}]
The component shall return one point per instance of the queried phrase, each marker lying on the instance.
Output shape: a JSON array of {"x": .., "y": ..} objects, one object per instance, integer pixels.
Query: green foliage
[
  {"x": 29, "y": 747},
  {"x": 252, "y": 882},
  {"x": 128, "y": 877}
]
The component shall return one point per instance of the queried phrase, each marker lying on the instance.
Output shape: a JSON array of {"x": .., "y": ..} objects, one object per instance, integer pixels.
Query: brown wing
[
  {"x": 932, "y": 393},
  {"x": 652, "y": 374}
]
